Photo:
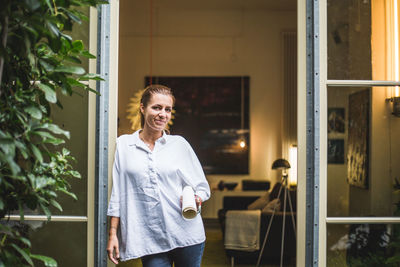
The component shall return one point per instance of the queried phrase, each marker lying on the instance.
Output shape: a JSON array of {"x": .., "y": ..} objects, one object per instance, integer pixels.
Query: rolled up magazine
[{"x": 189, "y": 209}]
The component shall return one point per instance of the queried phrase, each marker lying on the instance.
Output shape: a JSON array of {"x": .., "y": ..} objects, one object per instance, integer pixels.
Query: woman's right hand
[{"x": 113, "y": 248}]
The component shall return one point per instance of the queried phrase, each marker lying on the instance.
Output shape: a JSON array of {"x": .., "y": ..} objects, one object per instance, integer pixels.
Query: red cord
[{"x": 151, "y": 42}]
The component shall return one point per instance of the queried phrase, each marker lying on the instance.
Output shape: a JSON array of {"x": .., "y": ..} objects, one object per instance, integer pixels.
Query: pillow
[
  {"x": 259, "y": 203},
  {"x": 274, "y": 204}
]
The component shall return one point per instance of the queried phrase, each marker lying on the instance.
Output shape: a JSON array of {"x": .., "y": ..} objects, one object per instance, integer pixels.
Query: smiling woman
[{"x": 145, "y": 202}]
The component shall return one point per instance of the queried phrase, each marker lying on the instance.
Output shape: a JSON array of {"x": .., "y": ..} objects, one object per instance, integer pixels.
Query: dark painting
[
  {"x": 335, "y": 151},
  {"x": 212, "y": 113},
  {"x": 336, "y": 120},
  {"x": 358, "y": 139}
]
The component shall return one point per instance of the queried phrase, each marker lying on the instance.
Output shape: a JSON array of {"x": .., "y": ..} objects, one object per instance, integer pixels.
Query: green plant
[
  {"x": 373, "y": 245},
  {"x": 38, "y": 61}
]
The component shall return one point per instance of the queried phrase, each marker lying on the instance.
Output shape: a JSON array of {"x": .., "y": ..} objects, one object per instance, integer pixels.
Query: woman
[{"x": 150, "y": 170}]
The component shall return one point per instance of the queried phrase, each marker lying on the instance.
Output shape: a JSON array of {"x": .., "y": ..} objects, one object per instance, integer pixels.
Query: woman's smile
[{"x": 158, "y": 112}]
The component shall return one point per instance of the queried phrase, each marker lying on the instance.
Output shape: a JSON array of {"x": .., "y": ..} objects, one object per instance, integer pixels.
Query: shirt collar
[{"x": 136, "y": 139}]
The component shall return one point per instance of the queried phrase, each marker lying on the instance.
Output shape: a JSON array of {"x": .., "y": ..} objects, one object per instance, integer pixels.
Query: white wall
[{"x": 211, "y": 41}]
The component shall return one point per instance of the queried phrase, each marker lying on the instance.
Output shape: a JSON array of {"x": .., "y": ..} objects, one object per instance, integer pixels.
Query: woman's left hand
[{"x": 198, "y": 203}]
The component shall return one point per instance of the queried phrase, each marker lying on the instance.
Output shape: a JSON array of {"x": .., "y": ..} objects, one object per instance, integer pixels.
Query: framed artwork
[
  {"x": 336, "y": 120},
  {"x": 335, "y": 151},
  {"x": 358, "y": 139},
  {"x": 212, "y": 113}
]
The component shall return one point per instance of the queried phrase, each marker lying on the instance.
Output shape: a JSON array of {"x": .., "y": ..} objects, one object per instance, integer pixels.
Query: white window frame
[{"x": 318, "y": 20}]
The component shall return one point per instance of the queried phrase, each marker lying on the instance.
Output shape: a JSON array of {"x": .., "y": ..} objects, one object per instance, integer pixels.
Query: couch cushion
[
  {"x": 259, "y": 203},
  {"x": 273, "y": 205}
]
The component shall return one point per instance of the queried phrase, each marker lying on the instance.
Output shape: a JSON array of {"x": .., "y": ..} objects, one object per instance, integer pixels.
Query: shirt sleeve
[
  {"x": 114, "y": 204},
  {"x": 194, "y": 174}
]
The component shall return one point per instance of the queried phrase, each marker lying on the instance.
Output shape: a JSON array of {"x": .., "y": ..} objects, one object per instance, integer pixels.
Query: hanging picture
[
  {"x": 212, "y": 113},
  {"x": 336, "y": 120},
  {"x": 335, "y": 151},
  {"x": 358, "y": 139}
]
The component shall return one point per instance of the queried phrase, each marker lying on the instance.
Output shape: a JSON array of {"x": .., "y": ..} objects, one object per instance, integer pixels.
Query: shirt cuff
[{"x": 113, "y": 212}]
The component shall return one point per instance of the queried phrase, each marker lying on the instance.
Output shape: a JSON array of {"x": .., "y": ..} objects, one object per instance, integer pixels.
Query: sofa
[{"x": 272, "y": 250}]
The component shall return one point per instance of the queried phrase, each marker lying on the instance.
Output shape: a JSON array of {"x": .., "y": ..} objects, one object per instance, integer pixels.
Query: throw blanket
[{"x": 242, "y": 230}]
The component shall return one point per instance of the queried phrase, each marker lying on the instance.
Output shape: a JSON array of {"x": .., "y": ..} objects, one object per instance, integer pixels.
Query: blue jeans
[{"x": 182, "y": 257}]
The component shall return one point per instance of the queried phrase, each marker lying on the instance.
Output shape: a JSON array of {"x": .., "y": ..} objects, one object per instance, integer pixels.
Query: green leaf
[
  {"x": 45, "y": 210},
  {"x": 76, "y": 174},
  {"x": 74, "y": 17},
  {"x": 65, "y": 152},
  {"x": 93, "y": 91},
  {"x": 91, "y": 76},
  {"x": 25, "y": 241},
  {"x": 15, "y": 169},
  {"x": 68, "y": 193},
  {"x": 78, "y": 45},
  {"x": 36, "y": 152},
  {"x": 41, "y": 182},
  {"x": 34, "y": 112},
  {"x": 1, "y": 204},
  {"x": 73, "y": 59},
  {"x": 49, "y": 92},
  {"x": 56, "y": 204},
  {"x": 86, "y": 53},
  {"x": 55, "y": 129},
  {"x": 48, "y": 262},
  {"x": 7, "y": 145},
  {"x": 70, "y": 69},
  {"x": 46, "y": 65},
  {"x": 22, "y": 149},
  {"x": 76, "y": 83},
  {"x": 54, "y": 141},
  {"x": 23, "y": 253},
  {"x": 53, "y": 28},
  {"x": 43, "y": 134},
  {"x": 49, "y": 6}
]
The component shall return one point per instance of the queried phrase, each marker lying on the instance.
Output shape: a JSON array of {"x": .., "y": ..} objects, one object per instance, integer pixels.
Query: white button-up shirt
[{"x": 146, "y": 191}]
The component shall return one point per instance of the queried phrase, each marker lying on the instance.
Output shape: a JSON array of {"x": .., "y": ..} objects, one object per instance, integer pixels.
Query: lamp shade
[{"x": 280, "y": 164}]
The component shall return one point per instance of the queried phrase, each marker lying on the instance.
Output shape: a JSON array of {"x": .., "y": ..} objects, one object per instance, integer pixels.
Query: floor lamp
[{"x": 280, "y": 164}]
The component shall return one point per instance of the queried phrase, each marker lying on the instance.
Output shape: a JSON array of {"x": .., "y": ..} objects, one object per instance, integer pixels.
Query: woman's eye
[{"x": 168, "y": 109}]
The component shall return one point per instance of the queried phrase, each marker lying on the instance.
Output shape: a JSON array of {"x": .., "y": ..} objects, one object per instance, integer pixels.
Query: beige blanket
[{"x": 242, "y": 230}]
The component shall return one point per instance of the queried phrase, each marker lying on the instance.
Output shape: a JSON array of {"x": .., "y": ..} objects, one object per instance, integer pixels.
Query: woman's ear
[{"x": 141, "y": 108}]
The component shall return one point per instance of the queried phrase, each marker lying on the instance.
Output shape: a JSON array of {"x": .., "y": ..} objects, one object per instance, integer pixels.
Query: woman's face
[{"x": 157, "y": 113}]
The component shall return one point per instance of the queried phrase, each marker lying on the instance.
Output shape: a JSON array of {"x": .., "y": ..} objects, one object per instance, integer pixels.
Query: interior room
[
  {"x": 252, "y": 40},
  {"x": 232, "y": 65}
]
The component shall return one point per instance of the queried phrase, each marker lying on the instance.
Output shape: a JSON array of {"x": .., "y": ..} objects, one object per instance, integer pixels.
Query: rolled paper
[{"x": 189, "y": 209}]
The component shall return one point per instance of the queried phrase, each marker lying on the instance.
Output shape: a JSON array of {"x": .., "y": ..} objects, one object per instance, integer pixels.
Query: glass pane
[
  {"x": 363, "y": 245},
  {"x": 63, "y": 241},
  {"x": 363, "y": 158},
  {"x": 362, "y": 40},
  {"x": 74, "y": 118}
]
